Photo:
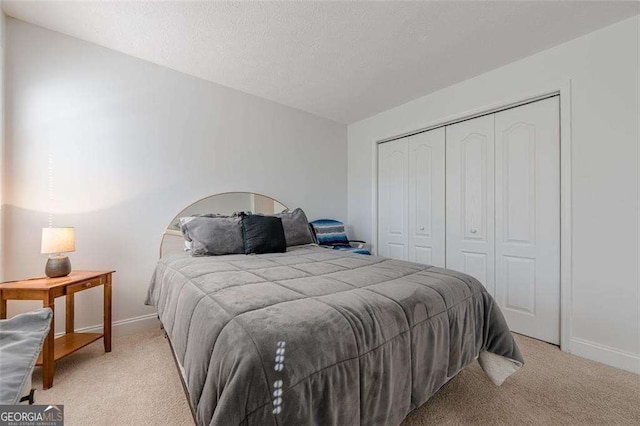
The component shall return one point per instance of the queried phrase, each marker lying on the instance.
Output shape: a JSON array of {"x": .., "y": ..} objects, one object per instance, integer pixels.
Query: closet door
[
  {"x": 528, "y": 218},
  {"x": 426, "y": 198},
  {"x": 393, "y": 199},
  {"x": 470, "y": 199}
]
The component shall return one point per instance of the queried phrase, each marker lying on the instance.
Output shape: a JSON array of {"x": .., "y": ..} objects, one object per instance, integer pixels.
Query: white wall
[
  {"x": 603, "y": 69},
  {"x": 2, "y": 147},
  {"x": 133, "y": 144}
]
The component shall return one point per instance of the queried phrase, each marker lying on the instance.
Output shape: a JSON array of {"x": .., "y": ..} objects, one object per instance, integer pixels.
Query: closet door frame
[{"x": 562, "y": 89}]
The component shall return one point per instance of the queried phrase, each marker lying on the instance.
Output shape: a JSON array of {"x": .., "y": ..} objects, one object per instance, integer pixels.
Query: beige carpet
[{"x": 138, "y": 384}]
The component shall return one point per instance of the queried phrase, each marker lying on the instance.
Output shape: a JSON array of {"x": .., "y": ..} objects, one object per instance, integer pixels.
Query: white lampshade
[{"x": 58, "y": 240}]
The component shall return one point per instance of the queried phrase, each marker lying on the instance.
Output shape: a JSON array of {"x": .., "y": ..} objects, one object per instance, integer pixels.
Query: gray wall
[
  {"x": 132, "y": 144},
  {"x": 2, "y": 145}
]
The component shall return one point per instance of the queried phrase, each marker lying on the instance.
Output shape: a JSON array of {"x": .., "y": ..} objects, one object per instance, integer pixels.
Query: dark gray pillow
[
  {"x": 263, "y": 234},
  {"x": 213, "y": 235},
  {"x": 296, "y": 227}
]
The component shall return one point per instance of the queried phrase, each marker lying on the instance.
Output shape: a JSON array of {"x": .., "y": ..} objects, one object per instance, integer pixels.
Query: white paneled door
[
  {"x": 470, "y": 234},
  {"x": 482, "y": 196},
  {"x": 528, "y": 218},
  {"x": 411, "y": 197},
  {"x": 427, "y": 198},
  {"x": 393, "y": 195}
]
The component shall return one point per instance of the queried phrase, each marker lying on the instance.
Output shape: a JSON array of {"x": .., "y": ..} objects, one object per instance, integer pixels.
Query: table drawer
[{"x": 93, "y": 282}]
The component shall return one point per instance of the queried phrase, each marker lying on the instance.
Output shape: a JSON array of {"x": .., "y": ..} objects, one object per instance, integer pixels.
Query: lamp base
[{"x": 58, "y": 266}]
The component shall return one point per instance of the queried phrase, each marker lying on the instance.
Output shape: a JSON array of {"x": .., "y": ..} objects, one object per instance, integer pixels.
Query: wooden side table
[{"x": 47, "y": 289}]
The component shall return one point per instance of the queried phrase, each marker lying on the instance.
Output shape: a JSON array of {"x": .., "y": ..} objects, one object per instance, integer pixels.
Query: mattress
[{"x": 317, "y": 336}]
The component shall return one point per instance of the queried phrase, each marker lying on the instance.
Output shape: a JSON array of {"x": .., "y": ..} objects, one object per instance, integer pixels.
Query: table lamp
[{"x": 54, "y": 242}]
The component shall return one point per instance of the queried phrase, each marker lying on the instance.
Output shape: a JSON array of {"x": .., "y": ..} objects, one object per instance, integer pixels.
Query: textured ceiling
[{"x": 340, "y": 60}]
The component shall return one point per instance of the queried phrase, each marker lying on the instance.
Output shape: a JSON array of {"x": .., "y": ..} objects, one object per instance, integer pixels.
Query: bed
[{"x": 324, "y": 337}]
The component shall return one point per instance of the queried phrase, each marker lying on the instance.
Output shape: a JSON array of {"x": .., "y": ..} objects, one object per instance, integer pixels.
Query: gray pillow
[
  {"x": 296, "y": 227},
  {"x": 213, "y": 235}
]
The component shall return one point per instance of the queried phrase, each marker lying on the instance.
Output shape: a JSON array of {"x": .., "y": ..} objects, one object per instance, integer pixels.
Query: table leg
[
  {"x": 107, "y": 315},
  {"x": 49, "y": 344},
  {"x": 69, "y": 321},
  {"x": 3, "y": 306}
]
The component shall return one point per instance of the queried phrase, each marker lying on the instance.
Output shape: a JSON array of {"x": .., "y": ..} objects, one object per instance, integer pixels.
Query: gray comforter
[{"x": 323, "y": 337}]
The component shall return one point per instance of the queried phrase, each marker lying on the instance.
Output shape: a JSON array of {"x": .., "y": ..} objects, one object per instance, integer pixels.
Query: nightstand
[{"x": 47, "y": 289}]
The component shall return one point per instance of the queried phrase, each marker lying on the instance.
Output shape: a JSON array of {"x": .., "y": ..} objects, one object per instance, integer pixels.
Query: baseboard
[
  {"x": 125, "y": 327},
  {"x": 605, "y": 354}
]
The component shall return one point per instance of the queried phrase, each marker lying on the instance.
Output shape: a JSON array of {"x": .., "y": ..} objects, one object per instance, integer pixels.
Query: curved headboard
[{"x": 225, "y": 203}]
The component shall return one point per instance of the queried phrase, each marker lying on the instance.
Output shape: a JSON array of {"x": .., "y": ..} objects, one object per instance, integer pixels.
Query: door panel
[
  {"x": 520, "y": 273},
  {"x": 476, "y": 265},
  {"x": 393, "y": 191},
  {"x": 474, "y": 191},
  {"x": 427, "y": 198},
  {"x": 528, "y": 218},
  {"x": 470, "y": 199},
  {"x": 423, "y": 255}
]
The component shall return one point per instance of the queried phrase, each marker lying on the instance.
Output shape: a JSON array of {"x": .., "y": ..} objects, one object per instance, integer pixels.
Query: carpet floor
[{"x": 138, "y": 384}]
